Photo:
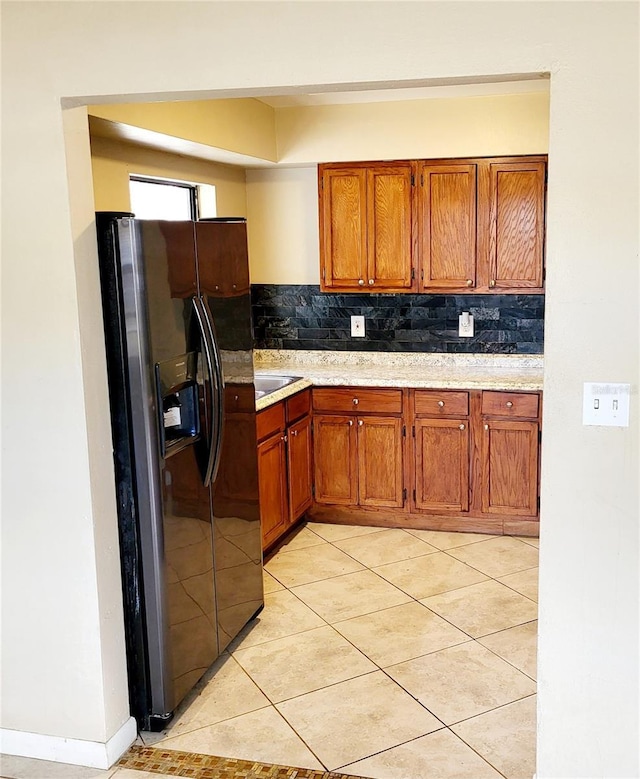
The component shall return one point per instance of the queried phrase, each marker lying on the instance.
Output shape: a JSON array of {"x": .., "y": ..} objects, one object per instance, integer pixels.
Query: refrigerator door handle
[
  {"x": 218, "y": 407},
  {"x": 201, "y": 318}
]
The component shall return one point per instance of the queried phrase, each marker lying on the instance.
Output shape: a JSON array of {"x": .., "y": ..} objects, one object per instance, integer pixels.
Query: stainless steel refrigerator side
[{"x": 144, "y": 415}]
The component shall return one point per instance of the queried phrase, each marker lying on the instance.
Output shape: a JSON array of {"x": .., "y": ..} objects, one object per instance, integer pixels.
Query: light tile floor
[{"x": 389, "y": 654}]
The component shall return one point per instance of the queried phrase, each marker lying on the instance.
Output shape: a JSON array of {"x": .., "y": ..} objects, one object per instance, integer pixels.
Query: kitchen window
[{"x": 155, "y": 198}]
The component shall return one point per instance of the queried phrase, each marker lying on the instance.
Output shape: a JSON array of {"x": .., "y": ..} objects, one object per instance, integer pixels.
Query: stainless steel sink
[{"x": 265, "y": 385}]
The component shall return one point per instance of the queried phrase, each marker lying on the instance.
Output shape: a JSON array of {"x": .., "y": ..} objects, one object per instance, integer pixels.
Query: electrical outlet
[
  {"x": 465, "y": 325},
  {"x": 357, "y": 327},
  {"x": 606, "y": 404}
]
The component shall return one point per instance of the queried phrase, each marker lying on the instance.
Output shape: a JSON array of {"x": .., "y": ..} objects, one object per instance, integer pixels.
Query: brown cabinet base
[{"x": 507, "y": 526}]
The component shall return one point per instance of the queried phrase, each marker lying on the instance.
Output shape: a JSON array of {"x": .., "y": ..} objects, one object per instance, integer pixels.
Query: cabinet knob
[
  {"x": 217, "y": 287},
  {"x": 441, "y": 403},
  {"x": 294, "y": 432},
  {"x": 350, "y": 422},
  {"x": 461, "y": 427},
  {"x": 361, "y": 282},
  {"x": 469, "y": 282},
  {"x": 509, "y": 404},
  {"x": 492, "y": 283},
  {"x": 236, "y": 398},
  {"x": 355, "y": 401},
  {"x": 235, "y": 286},
  {"x": 370, "y": 282},
  {"x": 486, "y": 427},
  {"x": 360, "y": 423},
  {"x": 283, "y": 437}
]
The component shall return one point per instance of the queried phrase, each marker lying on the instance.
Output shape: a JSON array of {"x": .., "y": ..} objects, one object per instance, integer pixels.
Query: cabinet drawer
[
  {"x": 239, "y": 398},
  {"x": 358, "y": 400},
  {"x": 298, "y": 405},
  {"x": 510, "y": 404},
  {"x": 270, "y": 421},
  {"x": 433, "y": 403}
]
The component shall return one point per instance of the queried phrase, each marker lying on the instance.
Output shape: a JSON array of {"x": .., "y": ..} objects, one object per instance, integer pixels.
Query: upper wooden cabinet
[
  {"x": 465, "y": 225},
  {"x": 517, "y": 225},
  {"x": 366, "y": 226},
  {"x": 447, "y": 226}
]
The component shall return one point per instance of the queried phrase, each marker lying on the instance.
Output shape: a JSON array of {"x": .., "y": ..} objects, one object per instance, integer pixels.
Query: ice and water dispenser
[{"x": 177, "y": 387}]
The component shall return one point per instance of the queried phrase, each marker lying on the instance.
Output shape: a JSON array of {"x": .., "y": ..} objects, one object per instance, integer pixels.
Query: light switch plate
[
  {"x": 357, "y": 327},
  {"x": 606, "y": 404}
]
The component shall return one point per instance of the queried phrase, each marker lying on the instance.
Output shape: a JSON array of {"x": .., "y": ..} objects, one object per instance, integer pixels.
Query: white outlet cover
[
  {"x": 606, "y": 404},
  {"x": 465, "y": 325},
  {"x": 357, "y": 327}
]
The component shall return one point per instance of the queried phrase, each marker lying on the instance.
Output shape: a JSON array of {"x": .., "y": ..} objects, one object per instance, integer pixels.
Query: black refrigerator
[{"x": 177, "y": 315}]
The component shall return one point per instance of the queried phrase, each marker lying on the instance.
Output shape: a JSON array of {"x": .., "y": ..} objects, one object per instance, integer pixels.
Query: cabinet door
[
  {"x": 223, "y": 260},
  {"x": 335, "y": 459},
  {"x": 343, "y": 227},
  {"x": 447, "y": 226},
  {"x": 299, "y": 467},
  {"x": 510, "y": 467},
  {"x": 272, "y": 476},
  {"x": 442, "y": 465},
  {"x": 380, "y": 462},
  {"x": 389, "y": 227},
  {"x": 517, "y": 225}
]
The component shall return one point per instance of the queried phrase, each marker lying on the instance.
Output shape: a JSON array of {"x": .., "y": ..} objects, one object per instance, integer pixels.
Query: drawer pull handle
[
  {"x": 355, "y": 401},
  {"x": 361, "y": 282},
  {"x": 461, "y": 427},
  {"x": 509, "y": 404},
  {"x": 360, "y": 423},
  {"x": 441, "y": 403}
]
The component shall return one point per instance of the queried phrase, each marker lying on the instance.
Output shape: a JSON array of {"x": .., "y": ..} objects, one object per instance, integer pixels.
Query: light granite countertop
[{"x": 392, "y": 369}]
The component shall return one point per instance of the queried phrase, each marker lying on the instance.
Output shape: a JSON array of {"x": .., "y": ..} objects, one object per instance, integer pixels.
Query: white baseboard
[{"x": 76, "y": 751}]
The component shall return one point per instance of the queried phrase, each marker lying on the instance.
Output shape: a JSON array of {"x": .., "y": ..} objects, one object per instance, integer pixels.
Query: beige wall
[
  {"x": 240, "y": 126},
  {"x": 61, "y": 612},
  {"x": 112, "y": 163},
  {"x": 438, "y": 127},
  {"x": 282, "y": 226}
]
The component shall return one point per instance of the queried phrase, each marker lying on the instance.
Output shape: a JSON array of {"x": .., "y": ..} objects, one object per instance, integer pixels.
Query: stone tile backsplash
[{"x": 301, "y": 317}]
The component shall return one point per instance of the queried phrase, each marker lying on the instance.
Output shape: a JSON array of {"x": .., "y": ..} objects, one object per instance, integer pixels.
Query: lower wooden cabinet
[
  {"x": 510, "y": 467},
  {"x": 299, "y": 474},
  {"x": 335, "y": 457},
  {"x": 284, "y": 465},
  {"x": 358, "y": 457},
  {"x": 442, "y": 465},
  {"x": 380, "y": 477},
  {"x": 470, "y": 460},
  {"x": 272, "y": 477}
]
